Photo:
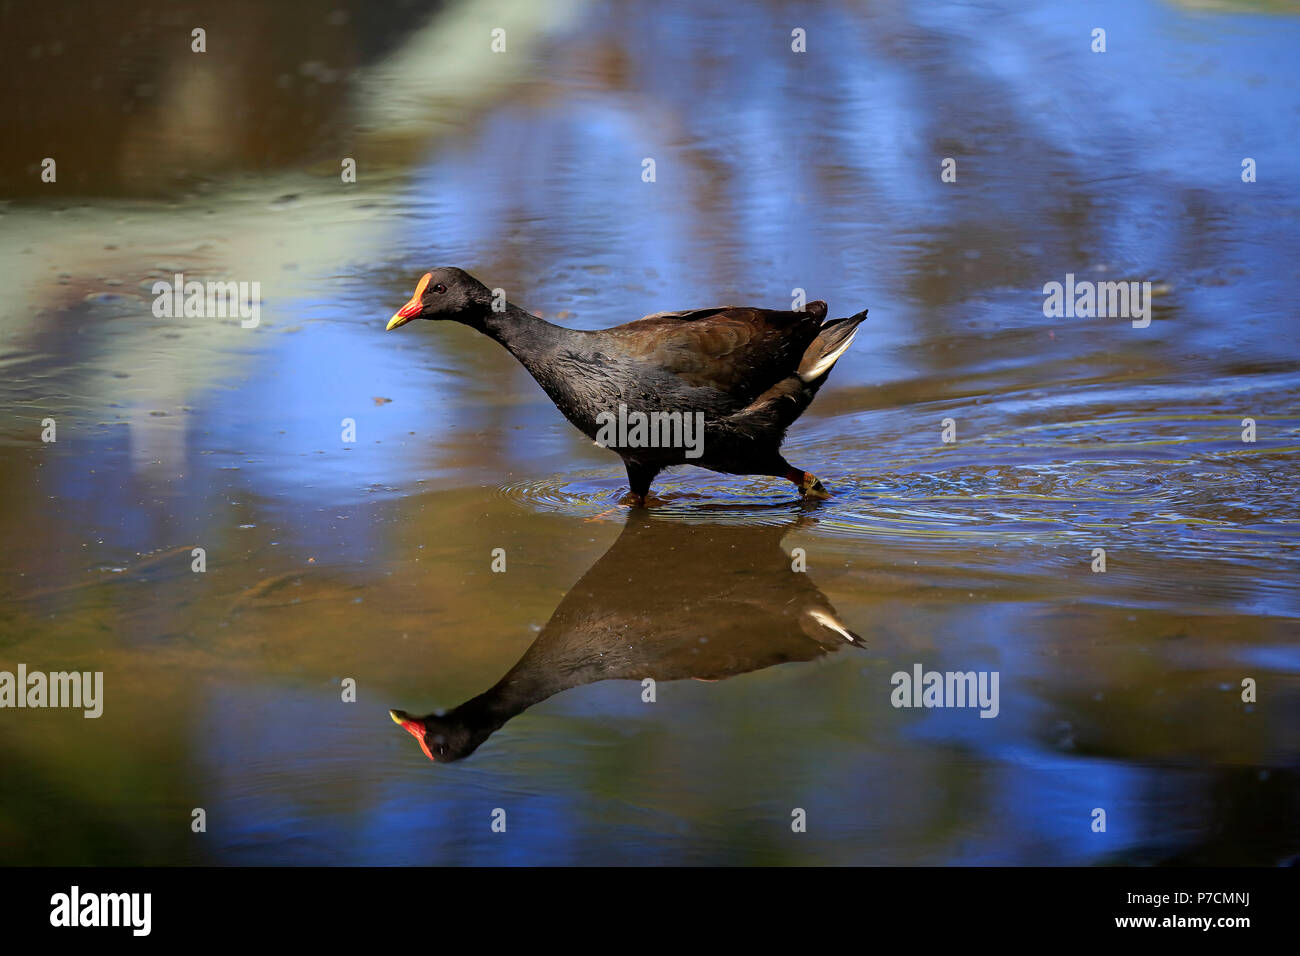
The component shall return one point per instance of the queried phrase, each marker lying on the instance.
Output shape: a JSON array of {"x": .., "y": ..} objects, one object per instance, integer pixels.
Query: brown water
[{"x": 372, "y": 560}]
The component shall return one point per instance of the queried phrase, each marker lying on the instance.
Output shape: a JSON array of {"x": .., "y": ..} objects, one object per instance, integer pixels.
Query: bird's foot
[{"x": 629, "y": 500}]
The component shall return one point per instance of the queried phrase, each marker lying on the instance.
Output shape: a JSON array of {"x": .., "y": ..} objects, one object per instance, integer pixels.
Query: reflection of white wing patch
[{"x": 825, "y": 620}]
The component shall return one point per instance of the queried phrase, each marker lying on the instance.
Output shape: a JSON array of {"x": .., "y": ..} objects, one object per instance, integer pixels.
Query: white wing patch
[{"x": 826, "y": 361}]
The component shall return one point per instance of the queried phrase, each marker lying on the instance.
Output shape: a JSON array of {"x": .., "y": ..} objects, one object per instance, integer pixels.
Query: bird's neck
[
  {"x": 535, "y": 343},
  {"x": 521, "y": 332}
]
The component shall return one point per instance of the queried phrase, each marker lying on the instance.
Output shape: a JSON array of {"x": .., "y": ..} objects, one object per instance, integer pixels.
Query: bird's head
[{"x": 446, "y": 293}]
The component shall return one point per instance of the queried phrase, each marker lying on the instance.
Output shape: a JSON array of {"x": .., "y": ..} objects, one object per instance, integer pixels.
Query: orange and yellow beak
[
  {"x": 412, "y": 726},
  {"x": 409, "y": 311}
]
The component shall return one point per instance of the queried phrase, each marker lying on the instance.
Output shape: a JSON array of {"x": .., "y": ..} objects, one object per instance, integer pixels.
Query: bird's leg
[
  {"x": 810, "y": 485},
  {"x": 639, "y": 477}
]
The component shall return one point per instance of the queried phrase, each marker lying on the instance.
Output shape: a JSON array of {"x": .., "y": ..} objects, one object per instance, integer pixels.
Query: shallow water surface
[{"x": 771, "y": 628}]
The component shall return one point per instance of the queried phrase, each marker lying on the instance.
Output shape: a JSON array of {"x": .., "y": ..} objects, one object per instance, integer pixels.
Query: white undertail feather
[{"x": 826, "y": 361}]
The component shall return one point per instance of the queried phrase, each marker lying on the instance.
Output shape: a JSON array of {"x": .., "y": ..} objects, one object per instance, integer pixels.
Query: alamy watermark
[
  {"x": 1086, "y": 299},
  {"x": 215, "y": 300},
  {"x": 633, "y": 429},
  {"x": 75, "y": 908},
  {"x": 78, "y": 689},
  {"x": 922, "y": 688}
]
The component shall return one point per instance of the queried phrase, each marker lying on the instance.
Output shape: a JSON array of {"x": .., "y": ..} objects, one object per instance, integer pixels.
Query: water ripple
[{"x": 1205, "y": 503}]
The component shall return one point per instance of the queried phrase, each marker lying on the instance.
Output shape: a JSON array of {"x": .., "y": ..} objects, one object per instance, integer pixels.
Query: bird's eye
[{"x": 440, "y": 288}]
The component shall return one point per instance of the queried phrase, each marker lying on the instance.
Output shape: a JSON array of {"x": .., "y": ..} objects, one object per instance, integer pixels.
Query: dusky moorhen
[{"x": 716, "y": 388}]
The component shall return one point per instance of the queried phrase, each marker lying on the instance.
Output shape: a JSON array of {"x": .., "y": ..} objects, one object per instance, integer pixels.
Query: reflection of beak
[
  {"x": 413, "y": 308},
  {"x": 413, "y": 727}
]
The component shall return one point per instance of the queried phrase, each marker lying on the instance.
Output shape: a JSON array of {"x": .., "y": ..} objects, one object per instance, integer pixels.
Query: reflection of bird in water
[{"x": 666, "y": 601}]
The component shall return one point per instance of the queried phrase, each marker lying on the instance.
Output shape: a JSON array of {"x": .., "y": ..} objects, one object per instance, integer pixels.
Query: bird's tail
[
  {"x": 832, "y": 341},
  {"x": 785, "y": 401}
]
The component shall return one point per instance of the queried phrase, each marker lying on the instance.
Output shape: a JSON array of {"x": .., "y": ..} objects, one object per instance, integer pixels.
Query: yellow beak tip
[{"x": 394, "y": 322}]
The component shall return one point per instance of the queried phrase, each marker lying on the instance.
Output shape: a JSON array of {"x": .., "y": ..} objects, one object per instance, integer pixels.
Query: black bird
[
  {"x": 715, "y": 388},
  {"x": 725, "y": 602}
]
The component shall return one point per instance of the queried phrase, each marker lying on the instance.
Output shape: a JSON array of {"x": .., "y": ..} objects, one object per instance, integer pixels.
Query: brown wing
[{"x": 738, "y": 350}]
